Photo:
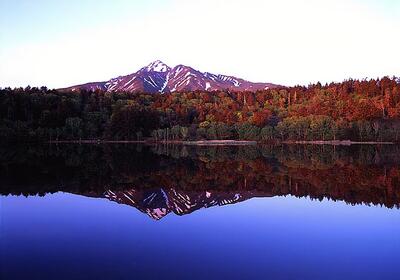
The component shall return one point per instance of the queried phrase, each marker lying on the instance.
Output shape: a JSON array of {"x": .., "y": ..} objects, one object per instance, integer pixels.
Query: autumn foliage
[{"x": 364, "y": 110}]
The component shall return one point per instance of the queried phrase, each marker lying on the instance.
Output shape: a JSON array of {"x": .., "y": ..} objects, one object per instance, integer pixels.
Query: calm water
[{"x": 259, "y": 212}]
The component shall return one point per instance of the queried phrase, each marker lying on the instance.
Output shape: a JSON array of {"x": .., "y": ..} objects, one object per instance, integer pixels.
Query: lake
[{"x": 128, "y": 211}]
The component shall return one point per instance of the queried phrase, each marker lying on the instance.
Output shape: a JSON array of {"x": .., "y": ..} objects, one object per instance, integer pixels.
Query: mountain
[{"x": 159, "y": 77}]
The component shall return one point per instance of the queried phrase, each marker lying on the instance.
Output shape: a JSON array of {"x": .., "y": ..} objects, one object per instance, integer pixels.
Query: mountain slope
[{"x": 159, "y": 77}]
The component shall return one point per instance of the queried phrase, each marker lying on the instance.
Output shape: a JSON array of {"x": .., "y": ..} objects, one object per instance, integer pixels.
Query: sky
[{"x": 288, "y": 42}]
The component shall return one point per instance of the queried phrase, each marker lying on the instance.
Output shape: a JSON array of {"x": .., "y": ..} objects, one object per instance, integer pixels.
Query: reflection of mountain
[{"x": 158, "y": 203}]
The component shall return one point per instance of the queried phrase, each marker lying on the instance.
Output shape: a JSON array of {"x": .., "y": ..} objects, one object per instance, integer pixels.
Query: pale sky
[{"x": 63, "y": 43}]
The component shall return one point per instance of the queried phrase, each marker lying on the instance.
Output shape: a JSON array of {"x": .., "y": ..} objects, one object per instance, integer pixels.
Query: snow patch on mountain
[{"x": 157, "y": 66}]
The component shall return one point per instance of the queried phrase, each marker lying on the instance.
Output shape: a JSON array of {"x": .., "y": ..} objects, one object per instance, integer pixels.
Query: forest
[
  {"x": 355, "y": 174},
  {"x": 357, "y": 110}
]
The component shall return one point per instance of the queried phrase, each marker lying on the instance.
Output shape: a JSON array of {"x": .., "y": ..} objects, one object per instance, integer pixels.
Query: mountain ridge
[{"x": 157, "y": 77}]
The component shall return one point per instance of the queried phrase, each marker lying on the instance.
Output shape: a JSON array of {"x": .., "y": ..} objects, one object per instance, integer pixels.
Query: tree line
[
  {"x": 356, "y": 174},
  {"x": 358, "y": 110}
]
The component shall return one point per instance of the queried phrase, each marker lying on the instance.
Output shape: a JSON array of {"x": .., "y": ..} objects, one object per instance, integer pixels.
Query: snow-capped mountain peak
[
  {"x": 157, "y": 66},
  {"x": 159, "y": 77}
]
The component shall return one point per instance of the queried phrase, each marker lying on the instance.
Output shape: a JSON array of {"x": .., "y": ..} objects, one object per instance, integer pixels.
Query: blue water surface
[{"x": 65, "y": 236}]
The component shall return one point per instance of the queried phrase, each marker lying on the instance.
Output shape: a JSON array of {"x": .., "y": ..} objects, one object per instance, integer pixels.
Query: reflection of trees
[{"x": 355, "y": 174}]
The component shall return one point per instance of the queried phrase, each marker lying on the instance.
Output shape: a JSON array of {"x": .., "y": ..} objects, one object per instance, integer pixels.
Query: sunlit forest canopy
[{"x": 358, "y": 110}]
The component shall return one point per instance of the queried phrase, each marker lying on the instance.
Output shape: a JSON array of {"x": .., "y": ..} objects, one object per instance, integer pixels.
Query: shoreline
[
  {"x": 219, "y": 142},
  {"x": 223, "y": 142},
  {"x": 174, "y": 142},
  {"x": 338, "y": 142}
]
